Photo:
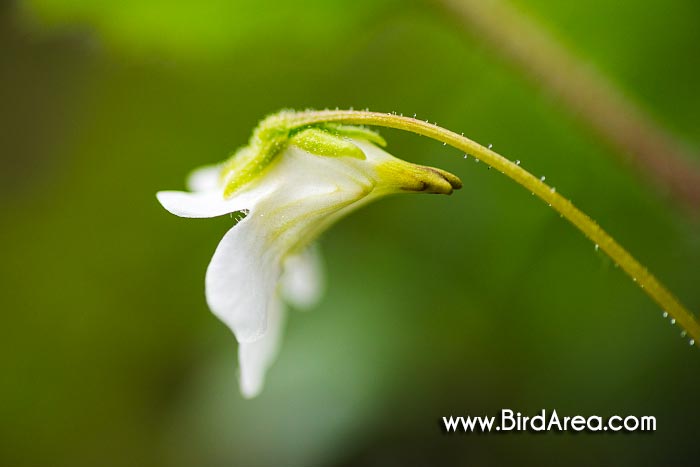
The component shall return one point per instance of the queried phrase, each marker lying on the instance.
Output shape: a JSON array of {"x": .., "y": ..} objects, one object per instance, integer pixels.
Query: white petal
[
  {"x": 302, "y": 280},
  {"x": 207, "y": 178},
  {"x": 296, "y": 197},
  {"x": 208, "y": 203},
  {"x": 255, "y": 358},
  {"x": 242, "y": 277}
]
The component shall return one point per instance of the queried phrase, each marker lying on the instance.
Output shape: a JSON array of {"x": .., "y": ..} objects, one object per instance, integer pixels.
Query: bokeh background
[{"x": 434, "y": 306}]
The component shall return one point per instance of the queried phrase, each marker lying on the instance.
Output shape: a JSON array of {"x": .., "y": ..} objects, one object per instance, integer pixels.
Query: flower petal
[
  {"x": 241, "y": 279},
  {"x": 206, "y": 178},
  {"x": 302, "y": 280},
  {"x": 205, "y": 204},
  {"x": 210, "y": 203},
  {"x": 254, "y": 358}
]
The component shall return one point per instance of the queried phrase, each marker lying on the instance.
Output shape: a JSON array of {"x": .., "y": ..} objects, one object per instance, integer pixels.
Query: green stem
[
  {"x": 587, "y": 93},
  {"x": 660, "y": 294}
]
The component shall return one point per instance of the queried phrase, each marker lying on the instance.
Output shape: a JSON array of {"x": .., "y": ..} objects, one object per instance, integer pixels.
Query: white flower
[{"x": 290, "y": 184}]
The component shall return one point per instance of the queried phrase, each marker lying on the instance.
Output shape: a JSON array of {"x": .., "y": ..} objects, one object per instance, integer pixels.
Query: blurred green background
[{"x": 434, "y": 306}]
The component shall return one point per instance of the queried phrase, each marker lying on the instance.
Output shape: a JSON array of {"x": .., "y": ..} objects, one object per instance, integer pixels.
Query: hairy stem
[
  {"x": 668, "y": 302},
  {"x": 585, "y": 92}
]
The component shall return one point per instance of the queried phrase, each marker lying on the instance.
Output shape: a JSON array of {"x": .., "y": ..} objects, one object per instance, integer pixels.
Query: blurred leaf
[{"x": 209, "y": 28}]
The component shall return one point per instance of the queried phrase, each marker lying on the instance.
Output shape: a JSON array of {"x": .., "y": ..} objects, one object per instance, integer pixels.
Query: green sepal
[
  {"x": 277, "y": 131},
  {"x": 355, "y": 132},
  {"x": 323, "y": 143}
]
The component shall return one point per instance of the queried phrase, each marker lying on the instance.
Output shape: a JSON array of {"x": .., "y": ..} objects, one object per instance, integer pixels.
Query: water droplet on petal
[
  {"x": 683, "y": 333},
  {"x": 476, "y": 160},
  {"x": 543, "y": 178},
  {"x": 597, "y": 247},
  {"x": 517, "y": 162},
  {"x": 552, "y": 190},
  {"x": 691, "y": 342},
  {"x": 665, "y": 314},
  {"x": 466, "y": 156},
  {"x": 490, "y": 146},
  {"x": 673, "y": 320}
]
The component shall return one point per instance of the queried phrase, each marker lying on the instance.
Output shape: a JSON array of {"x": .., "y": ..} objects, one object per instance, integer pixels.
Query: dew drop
[
  {"x": 597, "y": 247},
  {"x": 466, "y": 156},
  {"x": 476, "y": 160},
  {"x": 517, "y": 162},
  {"x": 691, "y": 342},
  {"x": 673, "y": 320},
  {"x": 444, "y": 144},
  {"x": 414, "y": 115},
  {"x": 553, "y": 189},
  {"x": 490, "y": 146},
  {"x": 665, "y": 314},
  {"x": 543, "y": 178},
  {"x": 683, "y": 333}
]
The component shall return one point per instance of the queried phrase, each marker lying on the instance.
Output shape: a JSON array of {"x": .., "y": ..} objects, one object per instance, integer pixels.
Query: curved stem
[
  {"x": 587, "y": 93},
  {"x": 668, "y": 302}
]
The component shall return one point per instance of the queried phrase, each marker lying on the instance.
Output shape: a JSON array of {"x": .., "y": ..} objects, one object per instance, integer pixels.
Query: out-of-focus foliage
[
  {"x": 207, "y": 29},
  {"x": 435, "y": 306}
]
